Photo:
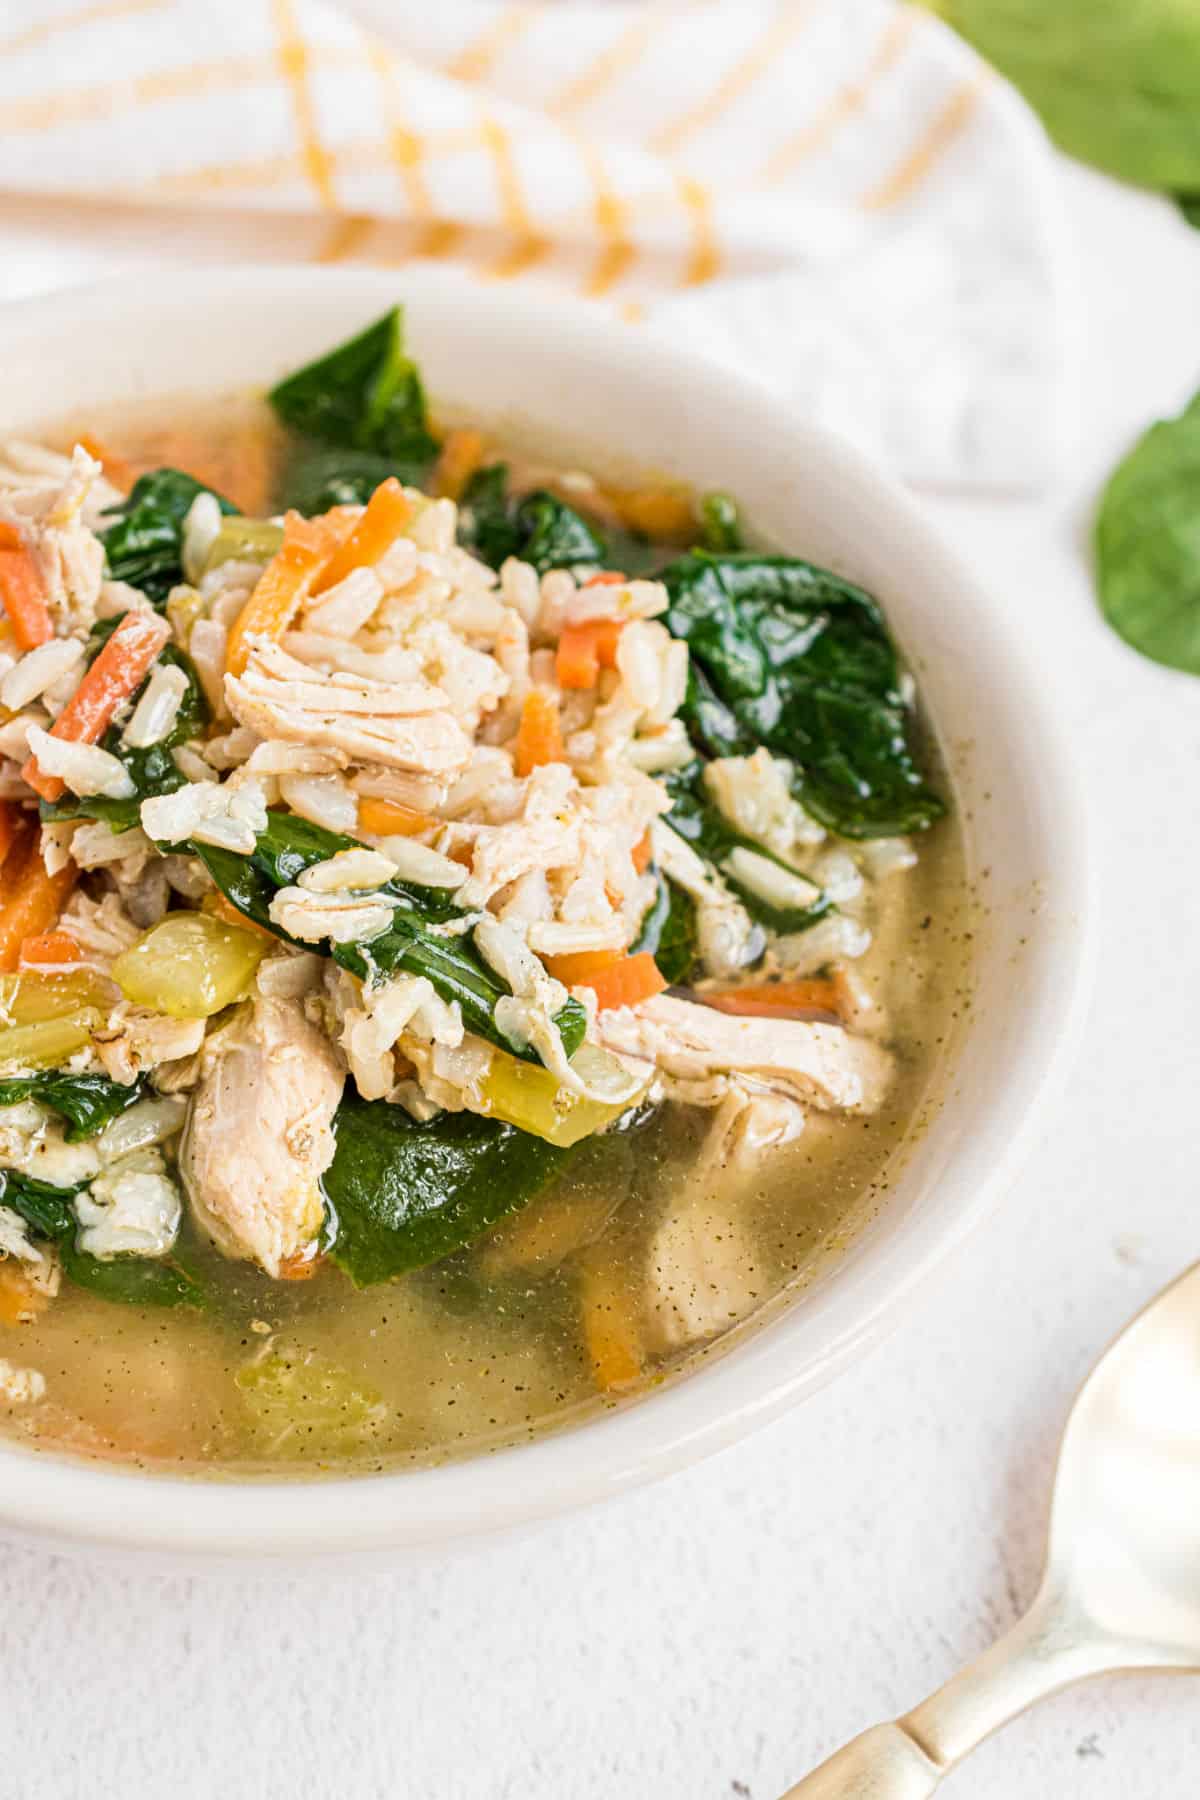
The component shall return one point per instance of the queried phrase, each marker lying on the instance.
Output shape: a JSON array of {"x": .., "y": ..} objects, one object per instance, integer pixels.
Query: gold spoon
[{"x": 1121, "y": 1588}]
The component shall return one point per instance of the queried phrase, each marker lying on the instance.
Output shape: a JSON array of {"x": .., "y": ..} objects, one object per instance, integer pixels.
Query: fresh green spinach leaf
[
  {"x": 790, "y": 656},
  {"x": 1115, "y": 81},
  {"x": 540, "y": 528},
  {"x": 144, "y": 544},
  {"x": 458, "y": 973},
  {"x": 697, "y": 819},
  {"x": 87, "y": 1102},
  {"x": 1147, "y": 543},
  {"x": 668, "y": 932},
  {"x": 319, "y": 478},
  {"x": 406, "y": 1194},
  {"x": 365, "y": 395},
  {"x": 152, "y": 770},
  {"x": 132, "y": 1280},
  {"x": 45, "y": 1208}
]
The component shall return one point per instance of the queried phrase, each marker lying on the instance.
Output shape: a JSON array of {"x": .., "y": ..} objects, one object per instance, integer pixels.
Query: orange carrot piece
[
  {"x": 34, "y": 900},
  {"x": 778, "y": 999},
  {"x": 20, "y": 1301},
  {"x": 11, "y": 817},
  {"x": 49, "y": 947},
  {"x": 663, "y": 514},
  {"x": 539, "y": 735},
  {"x": 461, "y": 454},
  {"x": 386, "y": 518},
  {"x": 117, "y": 672},
  {"x": 615, "y": 978},
  {"x": 117, "y": 468},
  {"x": 577, "y": 967},
  {"x": 300, "y": 1267},
  {"x": 282, "y": 587},
  {"x": 627, "y": 983},
  {"x": 606, "y": 578},
  {"x": 642, "y": 852},
  {"x": 387, "y": 818},
  {"x": 610, "y": 1328},
  {"x": 22, "y": 593},
  {"x": 583, "y": 650},
  {"x": 221, "y": 908}
]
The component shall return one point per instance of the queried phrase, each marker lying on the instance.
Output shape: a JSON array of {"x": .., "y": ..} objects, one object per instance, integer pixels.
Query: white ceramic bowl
[{"x": 582, "y": 386}]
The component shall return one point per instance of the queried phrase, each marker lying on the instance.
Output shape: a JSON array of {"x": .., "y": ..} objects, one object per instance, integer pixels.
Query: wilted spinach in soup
[{"x": 472, "y": 934}]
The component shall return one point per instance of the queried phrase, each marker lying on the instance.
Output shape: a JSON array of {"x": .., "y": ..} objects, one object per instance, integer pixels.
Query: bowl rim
[{"x": 109, "y": 1507}]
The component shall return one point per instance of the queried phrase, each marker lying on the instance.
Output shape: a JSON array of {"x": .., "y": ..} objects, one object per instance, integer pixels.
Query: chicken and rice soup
[{"x": 471, "y": 935}]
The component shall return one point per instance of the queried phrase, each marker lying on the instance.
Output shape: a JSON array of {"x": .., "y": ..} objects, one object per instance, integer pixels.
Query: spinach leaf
[
  {"x": 793, "y": 657},
  {"x": 144, "y": 544},
  {"x": 319, "y": 478},
  {"x": 540, "y": 528},
  {"x": 720, "y": 524},
  {"x": 695, "y": 817},
  {"x": 45, "y": 1208},
  {"x": 133, "y": 1280},
  {"x": 1115, "y": 84},
  {"x": 668, "y": 932},
  {"x": 87, "y": 1102},
  {"x": 366, "y": 395},
  {"x": 1147, "y": 543},
  {"x": 152, "y": 770},
  {"x": 407, "y": 1194},
  {"x": 290, "y": 845}
]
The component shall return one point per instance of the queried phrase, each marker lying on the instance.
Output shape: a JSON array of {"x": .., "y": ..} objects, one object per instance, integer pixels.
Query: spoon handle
[{"x": 1048, "y": 1649}]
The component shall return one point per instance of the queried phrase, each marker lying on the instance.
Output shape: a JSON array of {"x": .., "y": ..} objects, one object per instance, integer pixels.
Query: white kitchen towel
[{"x": 835, "y": 196}]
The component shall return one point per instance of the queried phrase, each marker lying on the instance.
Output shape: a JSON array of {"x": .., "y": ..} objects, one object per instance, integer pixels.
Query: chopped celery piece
[
  {"x": 190, "y": 966},
  {"x": 184, "y": 606},
  {"x": 243, "y": 540},
  {"x": 294, "y": 1393},
  {"x": 49, "y": 1042},
  {"x": 28, "y": 999},
  {"x": 529, "y": 1097}
]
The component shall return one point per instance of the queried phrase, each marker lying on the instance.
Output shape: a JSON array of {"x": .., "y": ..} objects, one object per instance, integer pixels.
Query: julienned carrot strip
[
  {"x": 386, "y": 518},
  {"x": 642, "y": 852},
  {"x": 606, "y": 578},
  {"x": 116, "y": 468},
  {"x": 539, "y": 735},
  {"x": 33, "y": 899},
  {"x": 614, "y": 978},
  {"x": 387, "y": 818},
  {"x": 778, "y": 999},
  {"x": 117, "y": 672},
  {"x": 50, "y": 947},
  {"x": 461, "y": 454},
  {"x": 282, "y": 587},
  {"x": 583, "y": 650},
  {"x": 22, "y": 592}
]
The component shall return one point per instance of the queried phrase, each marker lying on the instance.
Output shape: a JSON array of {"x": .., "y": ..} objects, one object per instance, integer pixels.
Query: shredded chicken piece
[
  {"x": 260, "y": 1133},
  {"x": 818, "y": 1063},
  {"x": 401, "y": 725}
]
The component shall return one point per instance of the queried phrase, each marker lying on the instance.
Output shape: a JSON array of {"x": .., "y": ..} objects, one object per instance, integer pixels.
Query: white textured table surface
[{"x": 717, "y": 1634}]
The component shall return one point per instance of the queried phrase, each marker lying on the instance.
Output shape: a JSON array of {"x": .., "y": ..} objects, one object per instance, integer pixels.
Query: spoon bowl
[{"x": 1122, "y": 1583}]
